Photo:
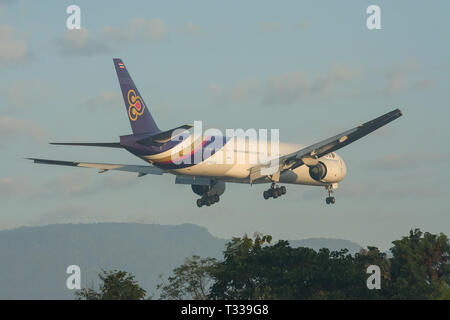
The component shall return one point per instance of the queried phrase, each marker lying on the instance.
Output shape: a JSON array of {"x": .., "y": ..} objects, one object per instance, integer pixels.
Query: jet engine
[
  {"x": 326, "y": 171},
  {"x": 217, "y": 188}
]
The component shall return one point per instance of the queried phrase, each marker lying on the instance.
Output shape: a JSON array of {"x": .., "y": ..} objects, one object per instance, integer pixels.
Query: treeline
[{"x": 254, "y": 268}]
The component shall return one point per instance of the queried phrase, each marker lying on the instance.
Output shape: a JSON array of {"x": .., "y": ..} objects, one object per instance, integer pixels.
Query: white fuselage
[{"x": 232, "y": 161}]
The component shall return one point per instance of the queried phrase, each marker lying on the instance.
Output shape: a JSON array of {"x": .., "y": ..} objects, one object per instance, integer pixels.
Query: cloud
[
  {"x": 78, "y": 42},
  {"x": 190, "y": 29},
  {"x": 76, "y": 213},
  {"x": 104, "y": 99},
  {"x": 24, "y": 92},
  {"x": 292, "y": 87},
  {"x": 303, "y": 24},
  {"x": 11, "y": 128},
  {"x": 287, "y": 88},
  {"x": 409, "y": 161},
  {"x": 339, "y": 81},
  {"x": 138, "y": 29},
  {"x": 12, "y": 186},
  {"x": 403, "y": 77},
  {"x": 72, "y": 185},
  {"x": 3, "y": 4},
  {"x": 325, "y": 84},
  {"x": 13, "y": 49},
  {"x": 270, "y": 26},
  {"x": 398, "y": 76},
  {"x": 78, "y": 182},
  {"x": 384, "y": 190},
  {"x": 214, "y": 89},
  {"x": 242, "y": 90}
]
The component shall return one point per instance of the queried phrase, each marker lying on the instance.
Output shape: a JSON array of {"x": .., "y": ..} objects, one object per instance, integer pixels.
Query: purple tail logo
[{"x": 136, "y": 105}]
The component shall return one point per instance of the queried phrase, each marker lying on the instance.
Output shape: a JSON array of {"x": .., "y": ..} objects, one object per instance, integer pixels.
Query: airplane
[{"x": 196, "y": 160}]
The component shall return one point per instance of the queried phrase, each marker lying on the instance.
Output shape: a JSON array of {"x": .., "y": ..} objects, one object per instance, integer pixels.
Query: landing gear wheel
[
  {"x": 330, "y": 199},
  {"x": 274, "y": 192},
  {"x": 208, "y": 200}
]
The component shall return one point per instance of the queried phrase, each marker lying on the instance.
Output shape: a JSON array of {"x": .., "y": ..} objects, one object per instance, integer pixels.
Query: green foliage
[
  {"x": 257, "y": 269},
  {"x": 253, "y": 268},
  {"x": 421, "y": 266},
  {"x": 116, "y": 285},
  {"x": 253, "y": 271},
  {"x": 191, "y": 280}
]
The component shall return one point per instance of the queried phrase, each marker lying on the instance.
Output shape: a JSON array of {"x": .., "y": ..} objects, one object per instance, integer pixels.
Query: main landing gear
[
  {"x": 330, "y": 199},
  {"x": 274, "y": 191},
  {"x": 207, "y": 200}
]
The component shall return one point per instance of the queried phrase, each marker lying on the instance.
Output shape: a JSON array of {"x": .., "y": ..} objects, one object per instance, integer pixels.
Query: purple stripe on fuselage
[{"x": 209, "y": 148}]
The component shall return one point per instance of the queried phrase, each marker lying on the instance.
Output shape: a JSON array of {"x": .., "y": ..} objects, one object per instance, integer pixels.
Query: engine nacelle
[
  {"x": 217, "y": 188},
  {"x": 327, "y": 171},
  {"x": 318, "y": 172}
]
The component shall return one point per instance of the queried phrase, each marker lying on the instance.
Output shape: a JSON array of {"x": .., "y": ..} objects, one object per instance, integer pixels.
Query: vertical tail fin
[{"x": 138, "y": 112}]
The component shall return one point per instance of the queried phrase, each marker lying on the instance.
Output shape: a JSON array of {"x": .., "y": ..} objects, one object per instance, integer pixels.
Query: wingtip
[{"x": 398, "y": 111}]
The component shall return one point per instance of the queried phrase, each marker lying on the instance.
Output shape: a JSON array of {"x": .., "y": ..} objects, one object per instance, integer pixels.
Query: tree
[
  {"x": 115, "y": 285},
  {"x": 254, "y": 269},
  {"x": 191, "y": 280},
  {"x": 237, "y": 276},
  {"x": 365, "y": 258},
  {"x": 420, "y": 266}
]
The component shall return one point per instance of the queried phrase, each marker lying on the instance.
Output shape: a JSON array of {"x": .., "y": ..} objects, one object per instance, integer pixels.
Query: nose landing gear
[
  {"x": 207, "y": 200},
  {"x": 274, "y": 191}
]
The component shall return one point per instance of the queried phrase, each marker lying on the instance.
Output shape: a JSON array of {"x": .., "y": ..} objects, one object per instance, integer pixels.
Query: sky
[{"x": 311, "y": 69}]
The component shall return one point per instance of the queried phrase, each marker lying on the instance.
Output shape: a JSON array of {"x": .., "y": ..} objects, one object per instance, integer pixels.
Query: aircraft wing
[
  {"x": 310, "y": 154},
  {"x": 141, "y": 170}
]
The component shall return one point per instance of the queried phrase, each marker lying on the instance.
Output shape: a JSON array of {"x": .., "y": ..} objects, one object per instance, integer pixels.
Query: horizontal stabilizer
[
  {"x": 89, "y": 144},
  {"x": 142, "y": 170},
  {"x": 164, "y": 136}
]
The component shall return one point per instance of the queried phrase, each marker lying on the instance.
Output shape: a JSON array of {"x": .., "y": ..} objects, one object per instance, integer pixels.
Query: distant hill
[
  {"x": 331, "y": 244},
  {"x": 33, "y": 260}
]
